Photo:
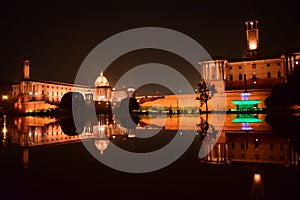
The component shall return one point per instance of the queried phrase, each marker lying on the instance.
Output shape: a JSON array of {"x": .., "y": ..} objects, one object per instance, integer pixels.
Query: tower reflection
[{"x": 257, "y": 188}]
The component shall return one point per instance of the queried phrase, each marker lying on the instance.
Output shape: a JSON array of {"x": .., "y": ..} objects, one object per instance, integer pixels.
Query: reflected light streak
[
  {"x": 4, "y": 130},
  {"x": 257, "y": 178}
]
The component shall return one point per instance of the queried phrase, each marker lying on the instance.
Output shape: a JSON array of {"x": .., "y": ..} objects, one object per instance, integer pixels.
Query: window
[
  {"x": 271, "y": 147},
  {"x": 281, "y": 157},
  {"x": 231, "y": 78},
  {"x": 240, "y": 77},
  {"x": 279, "y": 74},
  {"x": 232, "y": 145},
  {"x": 240, "y": 67},
  {"x": 230, "y": 68},
  {"x": 269, "y": 75},
  {"x": 256, "y": 146},
  {"x": 268, "y": 64},
  {"x": 278, "y": 64},
  {"x": 242, "y": 155},
  {"x": 271, "y": 157},
  {"x": 253, "y": 66},
  {"x": 242, "y": 146},
  {"x": 254, "y": 75}
]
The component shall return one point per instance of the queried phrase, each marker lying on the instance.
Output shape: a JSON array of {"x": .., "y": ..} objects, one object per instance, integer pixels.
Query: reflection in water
[
  {"x": 257, "y": 143},
  {"x": 287, "y": 127},
  {"x": 246, "y": 141},
  {"x": 25, "y": 157},
  {"x": 4, "y": 130},
  {"x": 257, "y": 190},
  {"x": 68, "y": 127},
  {"x": 102, "y": 132}
]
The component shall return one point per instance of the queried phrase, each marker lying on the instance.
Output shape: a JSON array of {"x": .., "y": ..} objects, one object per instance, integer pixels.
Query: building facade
[
  {"x": 252, "y": 71},
  {"x": 33, "y": 95}
]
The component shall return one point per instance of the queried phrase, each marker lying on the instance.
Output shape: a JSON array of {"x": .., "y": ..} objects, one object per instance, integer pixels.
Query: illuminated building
[
  {"x": 258, "y": 72},
  {"x": 102, "y": 89},
  {"x": 102, "y": 94},
  {"x": 253, "y": 72},
  {"x": 33, "y": 95}
]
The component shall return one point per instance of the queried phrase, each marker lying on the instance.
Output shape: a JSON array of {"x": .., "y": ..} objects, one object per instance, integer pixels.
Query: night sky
[{"x": 57, "y": 35}]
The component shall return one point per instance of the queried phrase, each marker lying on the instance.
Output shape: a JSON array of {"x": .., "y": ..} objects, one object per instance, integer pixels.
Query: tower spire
[
  {"x": 252, "y": 38},
  {"x": 25, "y": 62}
]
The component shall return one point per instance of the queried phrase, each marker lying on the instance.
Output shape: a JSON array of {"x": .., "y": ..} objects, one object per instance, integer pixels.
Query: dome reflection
[{"x": 101, "y": 144}]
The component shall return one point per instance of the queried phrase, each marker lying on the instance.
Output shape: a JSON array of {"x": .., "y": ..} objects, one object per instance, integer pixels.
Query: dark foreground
[{"x": 69, "y": 172}]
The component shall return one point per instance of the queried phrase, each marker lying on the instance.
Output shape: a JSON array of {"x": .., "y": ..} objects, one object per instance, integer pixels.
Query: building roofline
[
  {"x": 52, "y": 82},
  {"x": 255, "y": 58}
]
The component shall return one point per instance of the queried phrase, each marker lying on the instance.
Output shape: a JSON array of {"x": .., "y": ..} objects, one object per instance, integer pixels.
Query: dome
[{"x": 101, "y": 81}]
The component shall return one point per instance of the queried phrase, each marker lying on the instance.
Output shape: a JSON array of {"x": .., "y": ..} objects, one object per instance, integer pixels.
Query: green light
[
  {"x": 246, "y": 102},
  {"x": 245, "y": 120}
]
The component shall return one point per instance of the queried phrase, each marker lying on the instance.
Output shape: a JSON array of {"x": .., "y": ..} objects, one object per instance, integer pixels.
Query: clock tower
[
  {"x": 252, "y": 38},
  {"x": 25, "y": 68}
]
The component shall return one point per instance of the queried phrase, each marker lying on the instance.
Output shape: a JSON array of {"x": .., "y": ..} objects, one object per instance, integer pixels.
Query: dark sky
[{"x": 58, "y": 35}]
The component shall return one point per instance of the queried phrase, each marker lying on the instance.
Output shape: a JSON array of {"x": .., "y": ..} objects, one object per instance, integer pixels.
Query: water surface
[{"x": 44, "y": 158}]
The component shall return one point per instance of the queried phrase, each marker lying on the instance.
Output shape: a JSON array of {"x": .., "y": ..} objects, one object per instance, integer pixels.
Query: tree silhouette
[
  {"x": 205, "y": 128},
  {"x": 206, "y": 92}
]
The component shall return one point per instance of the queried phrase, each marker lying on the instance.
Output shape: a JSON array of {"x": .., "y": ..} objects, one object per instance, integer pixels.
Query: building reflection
[
  {"x": 248, "y": 138},
  {"x": 34, "y": 131},
  {"x": 28, "y": 131},
  {"x": 240, "y": 140},
  {"x": 244, "y": 138},
  {"x": 257, "y": 189}
]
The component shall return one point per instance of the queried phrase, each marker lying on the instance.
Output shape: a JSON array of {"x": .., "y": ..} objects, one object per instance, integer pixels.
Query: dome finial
[{"x": 101, "y": 80}]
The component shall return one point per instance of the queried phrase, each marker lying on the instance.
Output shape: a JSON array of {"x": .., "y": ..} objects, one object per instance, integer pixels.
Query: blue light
[
  {"x": 245, "y": 95},
  {"x": 246, "y": 126}
]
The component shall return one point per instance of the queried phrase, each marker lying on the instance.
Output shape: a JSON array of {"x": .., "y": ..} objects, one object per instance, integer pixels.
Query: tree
[
  {"x": 204, "y": 128},
  {"x": 206, "y": 92}
]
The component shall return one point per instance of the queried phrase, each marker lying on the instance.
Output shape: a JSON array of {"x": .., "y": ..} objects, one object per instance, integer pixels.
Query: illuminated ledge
[
  {"x": 246, "y": 120},
  {"x": 246, "y": 102}
]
